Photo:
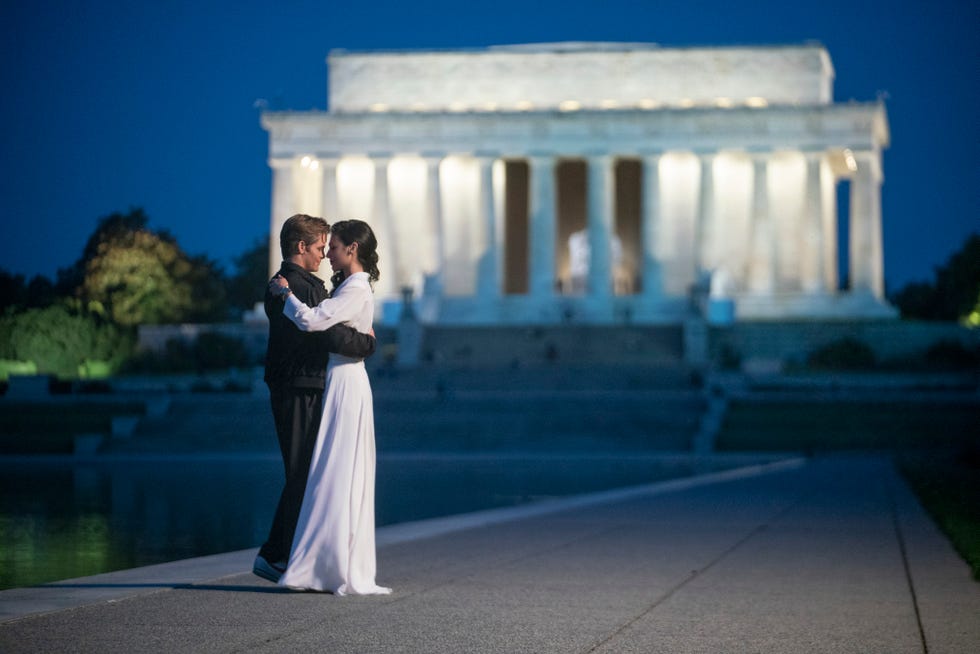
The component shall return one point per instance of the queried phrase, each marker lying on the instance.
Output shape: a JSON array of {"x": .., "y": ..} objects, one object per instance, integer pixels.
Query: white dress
[{"x": 333, "y": 547}]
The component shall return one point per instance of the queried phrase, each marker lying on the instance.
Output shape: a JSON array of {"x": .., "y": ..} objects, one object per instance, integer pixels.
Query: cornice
[{"x": 859, "y": 126}]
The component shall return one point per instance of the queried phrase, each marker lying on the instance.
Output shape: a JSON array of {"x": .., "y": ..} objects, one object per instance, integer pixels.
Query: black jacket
[{"x": 298, "y": 359}]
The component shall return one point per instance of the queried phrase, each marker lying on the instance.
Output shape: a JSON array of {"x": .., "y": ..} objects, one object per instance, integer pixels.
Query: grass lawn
[
  {"x": 935, "y": 446},
  {"x": 948, "y": 485}
]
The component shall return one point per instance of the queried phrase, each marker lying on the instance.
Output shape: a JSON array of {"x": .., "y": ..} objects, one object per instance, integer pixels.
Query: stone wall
[
  {"x": 153, "y": 338},
  {"x": 531, "y": 346},
  {"x": 793, "y": 341},
  {"x": 551, "y": 345},
  {"x": 591, "y": 75}
]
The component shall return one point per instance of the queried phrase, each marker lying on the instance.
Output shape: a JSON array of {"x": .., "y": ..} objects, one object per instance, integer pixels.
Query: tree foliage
[
  {"x": 843, "y": 354},
  {"x": 127, "y": 275},
  {"x": 13, "y": 290},
  {"x": 247, "y": 285},
  {"x": 63, "y": 339},
  {"x": 143, "y": 277},
  {"x": 138, "y": 280},
  {"x": 955, "y": 292},
  {"x": 209, "y": 351},
  {"x": 17, "y": 293}
]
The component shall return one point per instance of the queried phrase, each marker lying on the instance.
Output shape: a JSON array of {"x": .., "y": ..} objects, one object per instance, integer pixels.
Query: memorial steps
[{"x": 561, "y": 409}]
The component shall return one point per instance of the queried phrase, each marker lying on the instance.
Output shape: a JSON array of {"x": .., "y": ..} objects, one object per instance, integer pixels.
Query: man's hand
[{"x": 279, "y": 287}]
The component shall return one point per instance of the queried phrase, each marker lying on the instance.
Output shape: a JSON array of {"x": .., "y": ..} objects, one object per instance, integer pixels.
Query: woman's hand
[{"x": 279, "y": 286}]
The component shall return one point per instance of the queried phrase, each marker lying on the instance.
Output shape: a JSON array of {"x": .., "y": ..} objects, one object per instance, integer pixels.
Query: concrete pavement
[{"x": 831, "y": 555}]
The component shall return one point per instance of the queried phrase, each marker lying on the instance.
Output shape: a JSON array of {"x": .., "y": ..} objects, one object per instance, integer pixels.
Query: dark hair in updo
[{"x": 358, "y": 231}]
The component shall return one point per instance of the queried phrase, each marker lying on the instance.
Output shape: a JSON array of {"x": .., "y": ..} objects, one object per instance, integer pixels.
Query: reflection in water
[
  {"x": 65, "y": 520},
  {"x": 61, "y": 520}
]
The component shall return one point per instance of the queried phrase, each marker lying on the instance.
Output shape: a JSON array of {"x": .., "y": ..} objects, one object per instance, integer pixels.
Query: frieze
[
  {"x": 590, "y": 74},
  {"x": 851, "y": 125}
]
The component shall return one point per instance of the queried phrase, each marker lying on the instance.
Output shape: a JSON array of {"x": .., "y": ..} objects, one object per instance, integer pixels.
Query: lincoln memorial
[{"x": 596, "y": 183}]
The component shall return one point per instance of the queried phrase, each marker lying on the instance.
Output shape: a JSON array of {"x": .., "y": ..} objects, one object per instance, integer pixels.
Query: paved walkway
[{"x": 833, "y": 555}]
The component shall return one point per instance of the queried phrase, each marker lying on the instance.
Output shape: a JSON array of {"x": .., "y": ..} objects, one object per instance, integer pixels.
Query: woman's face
[{"x": 340, "y": 255}]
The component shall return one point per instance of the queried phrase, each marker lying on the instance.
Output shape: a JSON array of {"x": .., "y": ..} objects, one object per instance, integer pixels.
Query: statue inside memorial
[
  {"x": 721, "y": 305},
  {"x": 580, "y": 258}
]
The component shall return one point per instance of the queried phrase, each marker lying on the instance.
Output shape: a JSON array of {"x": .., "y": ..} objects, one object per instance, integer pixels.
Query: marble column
[
  {"x": 488, "y": 281},
  {"x": 542, "y": 228},
  {"x": 308, "y": 187},
  {"x": 600, "y": 225},
  {"x": 391, "y": 281},
  {"x": 706, "y": 238},
  {"x": 435, "y": 261},
  {"x": 814, "y": 276},
  {"x": 761, "y": 273},
  {"x": 866, "y": 260},
  {"x": 329, "y": 205},
  {"x": 651, "y": 227},
  {"x": 283, "y": 203}
]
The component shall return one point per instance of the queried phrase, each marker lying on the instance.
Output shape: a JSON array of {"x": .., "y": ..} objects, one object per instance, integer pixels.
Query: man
[{"x": 295, "y": 371}]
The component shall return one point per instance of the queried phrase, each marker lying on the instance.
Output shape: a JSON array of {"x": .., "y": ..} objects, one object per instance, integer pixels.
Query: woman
[{"x": 333, "y": 548}]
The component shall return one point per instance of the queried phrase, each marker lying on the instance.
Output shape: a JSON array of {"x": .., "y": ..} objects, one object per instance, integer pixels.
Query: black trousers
[{"x": 296, "y": 412}]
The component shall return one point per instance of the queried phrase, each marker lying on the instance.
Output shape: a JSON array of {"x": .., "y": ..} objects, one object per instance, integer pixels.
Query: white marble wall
[{"x": 586, "y": 75}]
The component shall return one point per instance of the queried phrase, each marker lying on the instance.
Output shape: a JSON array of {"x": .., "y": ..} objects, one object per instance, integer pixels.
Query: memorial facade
[{"x": 596, "y": 183}]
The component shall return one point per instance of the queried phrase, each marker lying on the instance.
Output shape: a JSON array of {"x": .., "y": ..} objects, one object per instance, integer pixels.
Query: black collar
[{"x": 303, "y": 272}]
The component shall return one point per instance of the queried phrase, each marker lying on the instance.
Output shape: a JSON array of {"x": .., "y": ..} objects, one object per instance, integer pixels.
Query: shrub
[
  {"x": 8, "y": 368},
  {"x": 209, "y": 351},
  {"x": 64, "y": 340},
  {"x": 844, "y": 354},
  {"x": 216, "y": 351},
  {"x": 951, "y": 354}
]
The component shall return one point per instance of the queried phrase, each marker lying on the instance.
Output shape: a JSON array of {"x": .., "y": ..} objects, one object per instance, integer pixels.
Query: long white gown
[{"x": 333, "y": 547}]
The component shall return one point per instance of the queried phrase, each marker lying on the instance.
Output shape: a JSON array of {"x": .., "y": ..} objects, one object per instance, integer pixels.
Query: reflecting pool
[{"x": 60, "y": 519}]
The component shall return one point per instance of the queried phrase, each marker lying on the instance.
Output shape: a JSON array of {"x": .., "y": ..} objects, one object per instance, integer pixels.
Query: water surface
[{"x": 60, "y": 519}]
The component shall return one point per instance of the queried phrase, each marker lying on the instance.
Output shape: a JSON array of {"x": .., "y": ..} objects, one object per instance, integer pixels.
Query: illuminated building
[{"x": 596, "y": 182}]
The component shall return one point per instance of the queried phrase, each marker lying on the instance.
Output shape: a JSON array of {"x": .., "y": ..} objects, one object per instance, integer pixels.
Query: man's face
[{"x": 310, "y": 255}]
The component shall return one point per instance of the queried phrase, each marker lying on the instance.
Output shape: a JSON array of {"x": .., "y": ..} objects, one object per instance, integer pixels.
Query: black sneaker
[{"x": 266, "y": 570}]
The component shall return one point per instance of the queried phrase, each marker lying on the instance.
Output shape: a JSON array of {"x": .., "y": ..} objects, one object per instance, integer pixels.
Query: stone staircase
[
  {"x": 436, "y": 409},
  {"x": 204, "y": 423},
  {"x": 548, "y": 409}
]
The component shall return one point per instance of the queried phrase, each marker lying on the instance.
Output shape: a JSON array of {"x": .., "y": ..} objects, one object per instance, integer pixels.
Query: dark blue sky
[{"x": 108, "y": 104}]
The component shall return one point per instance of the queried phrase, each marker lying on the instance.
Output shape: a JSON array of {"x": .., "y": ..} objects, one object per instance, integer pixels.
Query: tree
[
  {"x": 958, "y": 282},
  {"x": 209, "y": 297},
  {"x": 955, "y": 293},
  {"x": 973, "y": 318},
  {"x": 13, "y": 290},
  {"x": 143, "y": 277},
  {"x": 137, "y": 280},
  {"x": 113, "y": 227},
  {"x": 917, "y": 300},
  {"x": 16, "y": 293},
  {"x": 247, "y": 285}
]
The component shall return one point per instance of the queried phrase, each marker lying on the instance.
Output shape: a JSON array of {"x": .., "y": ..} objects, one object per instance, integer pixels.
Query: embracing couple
[{"x": 322, "y": 535}]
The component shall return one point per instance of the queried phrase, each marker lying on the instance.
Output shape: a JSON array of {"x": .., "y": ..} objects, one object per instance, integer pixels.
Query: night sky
[{"x": 112, "y": 104}]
